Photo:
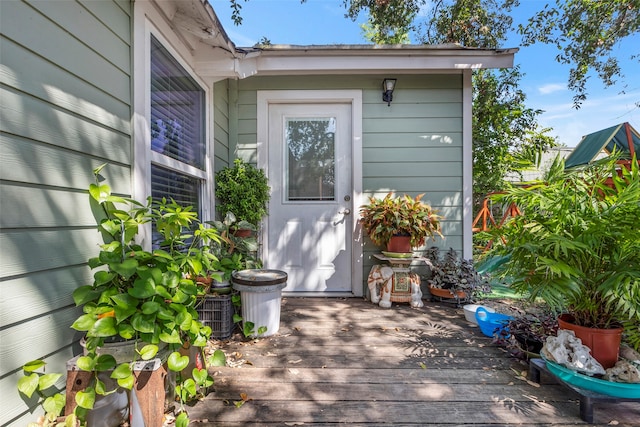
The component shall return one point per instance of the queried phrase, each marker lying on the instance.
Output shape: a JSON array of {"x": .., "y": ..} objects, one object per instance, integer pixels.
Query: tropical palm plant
[{"x": 577, "y": 244}]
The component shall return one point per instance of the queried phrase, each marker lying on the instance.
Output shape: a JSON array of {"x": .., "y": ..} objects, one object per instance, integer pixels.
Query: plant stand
[
  {"x": 147, "y": 396},
  {"x": 395, "y": 283},
  {"x": 261, "y": 295},
  {"x": 587, "y": 397}
]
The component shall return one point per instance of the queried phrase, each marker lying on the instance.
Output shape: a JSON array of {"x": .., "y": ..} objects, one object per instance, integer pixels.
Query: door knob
[{"x": 346, "y": 212}]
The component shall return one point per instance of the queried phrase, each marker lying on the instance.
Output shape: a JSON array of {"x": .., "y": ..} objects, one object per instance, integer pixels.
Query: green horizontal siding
[
  {"x": 413, "y": 146},
  {"x": 65, "y": 85},
  {"x": 26, "y": 26}
]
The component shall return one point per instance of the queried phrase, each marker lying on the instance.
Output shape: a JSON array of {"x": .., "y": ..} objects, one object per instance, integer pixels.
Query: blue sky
[{"x": 319, "y": 22}]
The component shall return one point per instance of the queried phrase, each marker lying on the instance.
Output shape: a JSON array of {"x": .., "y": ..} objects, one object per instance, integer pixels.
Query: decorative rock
[
  {"x": 568, "y": 350},
  {"x": 623, "y": 372}
]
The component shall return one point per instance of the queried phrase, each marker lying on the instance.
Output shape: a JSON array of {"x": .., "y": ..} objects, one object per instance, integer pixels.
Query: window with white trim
[{"x": 178, "y": 131}]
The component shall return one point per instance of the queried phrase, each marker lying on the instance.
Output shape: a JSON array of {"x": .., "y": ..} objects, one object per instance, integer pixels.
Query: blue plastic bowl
[
  {"x": 610, "y": 388},
  {"x": 491, "y": 323}
]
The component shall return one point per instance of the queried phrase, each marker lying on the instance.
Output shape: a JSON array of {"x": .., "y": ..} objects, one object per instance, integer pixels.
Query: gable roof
[{"x": 621, "y": 138}]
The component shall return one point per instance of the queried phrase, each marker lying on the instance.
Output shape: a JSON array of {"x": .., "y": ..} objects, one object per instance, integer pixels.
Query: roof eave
[{"x": 356, "y": 59}]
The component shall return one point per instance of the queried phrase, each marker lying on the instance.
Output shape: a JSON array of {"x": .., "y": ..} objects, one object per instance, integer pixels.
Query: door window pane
[{"x": 310, "y": 158}]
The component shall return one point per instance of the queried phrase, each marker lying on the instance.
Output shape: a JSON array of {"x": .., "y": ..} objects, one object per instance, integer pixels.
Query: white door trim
[{"x": 354, "y": 97}]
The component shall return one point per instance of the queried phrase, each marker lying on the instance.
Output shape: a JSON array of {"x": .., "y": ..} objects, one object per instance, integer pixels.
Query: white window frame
[{"x": 148, "y": 22}]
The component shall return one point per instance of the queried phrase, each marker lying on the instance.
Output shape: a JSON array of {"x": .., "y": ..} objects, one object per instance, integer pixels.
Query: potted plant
[
  {"x": 527, "y": 331},
  {"x": 576, "y": 247},
  {"x": 145, "y": 297},
  {"x": 408, "y": 218},
  {"x": 454, "y": 277},
  {"x": 244, "y": 190}
]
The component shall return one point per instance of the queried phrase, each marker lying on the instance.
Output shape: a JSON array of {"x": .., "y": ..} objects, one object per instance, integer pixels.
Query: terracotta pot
[
  {"x": 242, "y": 232},
  {"x": 399, "y": 244},
  {"x": 604, "y": 343},
  {"x": 445, "y": 293}
]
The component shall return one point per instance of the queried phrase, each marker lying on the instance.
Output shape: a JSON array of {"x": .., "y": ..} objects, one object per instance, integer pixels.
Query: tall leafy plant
[
  {"x": 140, "y": 295},
  {"x": 576, "y": 245},
  {"x": 244, "y": 190}
]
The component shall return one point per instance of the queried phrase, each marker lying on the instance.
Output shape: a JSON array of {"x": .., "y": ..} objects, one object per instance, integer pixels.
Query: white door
[{"x": 310, "y": 221}]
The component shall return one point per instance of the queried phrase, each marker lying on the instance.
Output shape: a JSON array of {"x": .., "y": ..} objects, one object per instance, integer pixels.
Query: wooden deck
[{"x": 346, "y": 361}]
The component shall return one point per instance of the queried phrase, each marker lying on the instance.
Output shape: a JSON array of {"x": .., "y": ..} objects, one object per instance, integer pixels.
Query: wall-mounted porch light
[{"x": 387, "y": 90}]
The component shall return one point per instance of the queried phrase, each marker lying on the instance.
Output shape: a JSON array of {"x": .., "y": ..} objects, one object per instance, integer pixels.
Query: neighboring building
[
  {"x": 538, "y": 172},
  {"x": 157, "y": 91}
]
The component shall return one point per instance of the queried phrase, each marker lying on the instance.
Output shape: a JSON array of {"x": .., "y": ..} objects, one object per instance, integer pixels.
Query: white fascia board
[
  {"x": 363, "y": 63},
  {"x": 343, "y": 61}
]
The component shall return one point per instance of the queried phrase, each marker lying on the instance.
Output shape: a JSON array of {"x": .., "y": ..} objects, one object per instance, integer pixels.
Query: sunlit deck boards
[{"x": 346, "y": 361}]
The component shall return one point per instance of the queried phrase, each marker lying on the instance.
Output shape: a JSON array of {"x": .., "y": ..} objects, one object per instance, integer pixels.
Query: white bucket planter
[{"x": 261, "y": 295}]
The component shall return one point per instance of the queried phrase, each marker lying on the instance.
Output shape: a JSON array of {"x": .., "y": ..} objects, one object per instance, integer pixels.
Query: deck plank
[{"x": 346, "y": 361}]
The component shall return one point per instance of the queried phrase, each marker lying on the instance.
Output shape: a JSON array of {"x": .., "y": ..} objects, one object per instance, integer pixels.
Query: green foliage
[
  {"x": 391, "y": 18},
  {"x": 456, "y": 274},
  {"x": 140, "y": 295},
  {"x": 576, "y": 245},
  {"x": 586, "y": 34},
  {"x": 384, "y": 218},
  {"x": 35, "y": 380},
  {"x": 506, "y": 136},
  {"x": 243, "y": 190},
  {"x": 233, "y": 252},
  {"x": 470, "y": 23}
]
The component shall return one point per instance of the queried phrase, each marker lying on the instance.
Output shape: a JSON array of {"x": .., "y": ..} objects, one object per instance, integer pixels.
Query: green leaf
[
  {"x": 47, "y": 380},
  {"x": 126, "y": 268},
  {"x": 86, "y": 398},
  {"x": 182, "y": 420},
  {"x": 28, "y": 384},
  {"x": 170, "y": 279},
  {"x": 148, "y": 352},
  {"x": 54, "y": 404},
  {"x": 33, "y": 365},
  {"x": 218, "y": 358},
  {"x": 124, "y": 301},
  {"x": 189, "y": 388},
  {"x": 184, "y": 319},
  {"x": 150, "y": 307},
  {"x": 103, "y": 277},
  {"x": 104, "y": 327},
  {"x": 143, "y": 323},
  {"x": 86, "y": 363},
  {"x": 100, "y": 387},
  {"x": 199, "y": 375},
  {"x": 105, "y": 362},
  {"x": 84, "y": 294},
  {"x": 123, "y": 370},
  {"x": 143, "y": 288},
  {"x": 100, "y": 193},
  {"x": 84, "y": 322},
  {"x": 162, "y": 291},
  {"x": 177, "y": 362},
  {"x": 171, "y": 338},
  {"x": 127, "y": 382},
  {"x": 126, "y": 331},
  {"x": 123, "y": 313}
]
